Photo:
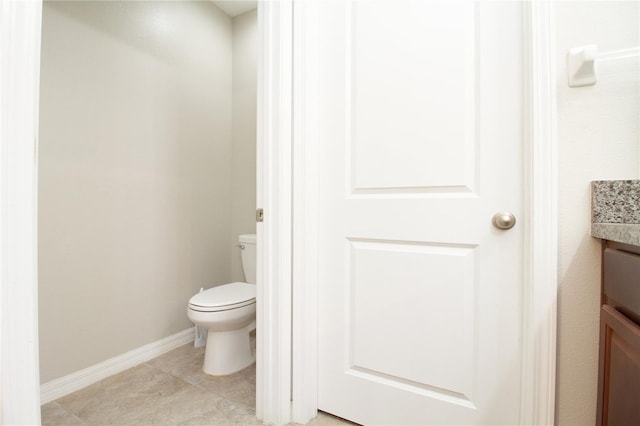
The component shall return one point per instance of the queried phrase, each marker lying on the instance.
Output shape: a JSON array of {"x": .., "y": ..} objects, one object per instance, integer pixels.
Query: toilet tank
[{"x": 248, "y": 253}]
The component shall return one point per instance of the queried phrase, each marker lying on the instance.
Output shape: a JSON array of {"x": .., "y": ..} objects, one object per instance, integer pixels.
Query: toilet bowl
[{"x": 228, "y": 313}]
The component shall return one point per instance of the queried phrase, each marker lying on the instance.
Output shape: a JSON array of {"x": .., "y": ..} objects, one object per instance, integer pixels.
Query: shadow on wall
[
  {"x": 149, "y": 27},
  {"x": 578, "y": 299}
]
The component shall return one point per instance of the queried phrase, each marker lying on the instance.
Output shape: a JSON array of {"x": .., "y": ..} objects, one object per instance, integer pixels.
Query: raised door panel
[
  {"x": 412, "y": 305},
  {"x": 411, "y": 101}
]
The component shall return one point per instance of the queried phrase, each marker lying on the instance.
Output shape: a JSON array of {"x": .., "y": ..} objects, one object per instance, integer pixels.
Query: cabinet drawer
[{"x": 621, "y": 286}]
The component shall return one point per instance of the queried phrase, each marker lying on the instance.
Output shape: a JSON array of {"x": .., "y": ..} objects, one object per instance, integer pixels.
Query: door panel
[
  {"x": 413, "y": 147},
  {"x": 441, "y": 281},
  {"x": 421, "y": 143}
]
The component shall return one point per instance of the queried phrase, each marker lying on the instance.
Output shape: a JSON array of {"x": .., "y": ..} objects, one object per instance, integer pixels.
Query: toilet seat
[{"x": 224, "y": 297}]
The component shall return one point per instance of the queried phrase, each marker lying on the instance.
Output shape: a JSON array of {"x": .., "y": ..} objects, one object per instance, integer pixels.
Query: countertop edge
[{"x": 619, "y": 232}]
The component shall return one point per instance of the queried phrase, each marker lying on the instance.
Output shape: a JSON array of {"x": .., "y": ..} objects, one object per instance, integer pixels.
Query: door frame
[
  {"x": 274, "y": 180},
  {"x": 19, "y": 91},
  {"x": 539, "y": 207},
  {"x": 287, "y": 298}
]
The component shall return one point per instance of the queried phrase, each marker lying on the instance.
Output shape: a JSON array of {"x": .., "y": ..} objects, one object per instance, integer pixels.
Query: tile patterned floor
[{"x": 168, "y": 390}]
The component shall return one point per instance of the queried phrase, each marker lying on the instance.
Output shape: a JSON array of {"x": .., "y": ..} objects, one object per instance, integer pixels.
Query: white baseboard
[{"x": 65, "y": 385}]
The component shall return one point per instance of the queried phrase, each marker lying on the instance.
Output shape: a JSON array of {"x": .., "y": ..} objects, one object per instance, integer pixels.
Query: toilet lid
[{"x": 225, "y": 296}]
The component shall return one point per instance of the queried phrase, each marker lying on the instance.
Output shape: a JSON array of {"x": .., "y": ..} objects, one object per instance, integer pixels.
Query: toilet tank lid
[{"x": 247, "y": 238}]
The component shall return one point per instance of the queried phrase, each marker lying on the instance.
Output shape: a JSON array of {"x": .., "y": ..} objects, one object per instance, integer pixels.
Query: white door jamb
[
  {"x": 20, "y": 27},
  {"x": 273, "y": 313},
  {"x": 305, "y": 212},
  {"x": 541, "y": 225}
]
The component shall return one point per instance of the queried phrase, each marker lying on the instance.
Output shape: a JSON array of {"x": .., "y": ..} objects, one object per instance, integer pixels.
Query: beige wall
[
  {"x": 243, "y": 171},
  {"x": 598, "y": 139},
  {"x": 135, "y": 150}
]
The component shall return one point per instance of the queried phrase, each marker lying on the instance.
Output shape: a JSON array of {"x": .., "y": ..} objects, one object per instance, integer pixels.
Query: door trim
[
  {"x": 541, "y": 231},
  {"x": 306, "y": 174},
  {"x": 540, "y": 209},
  {"x": 274, "y": 260},
  {"x": 19, "y": 88}
]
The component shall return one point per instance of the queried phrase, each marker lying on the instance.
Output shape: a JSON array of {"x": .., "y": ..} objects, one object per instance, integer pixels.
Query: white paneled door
[{"x": 420, "y": 135}]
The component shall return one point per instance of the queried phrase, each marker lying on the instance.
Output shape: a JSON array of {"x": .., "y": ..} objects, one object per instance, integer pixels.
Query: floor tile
[
  {"x": 324, "y": 419},
  {"x": 136, "y": 396},
  {"x": 186, "y": 363},
  {"x": 225, "y": 412},
  {"x": 171, "y": 389},
  {"x": 53, "y": 415}
]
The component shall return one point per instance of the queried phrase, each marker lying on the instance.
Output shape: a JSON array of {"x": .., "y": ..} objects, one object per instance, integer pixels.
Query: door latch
[{"x": 260, "y": 215}]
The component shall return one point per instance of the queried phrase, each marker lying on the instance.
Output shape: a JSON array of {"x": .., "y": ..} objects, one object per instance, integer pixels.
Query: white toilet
[{"x": 228, "y": 312}]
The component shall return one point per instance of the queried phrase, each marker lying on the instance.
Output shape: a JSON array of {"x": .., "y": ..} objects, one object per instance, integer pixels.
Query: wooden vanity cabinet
[{"x": 619, "y": 363}]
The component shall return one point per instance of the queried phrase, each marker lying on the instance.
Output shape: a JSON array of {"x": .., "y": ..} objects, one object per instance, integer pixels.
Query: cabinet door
[{"x": 619, "y": 389}]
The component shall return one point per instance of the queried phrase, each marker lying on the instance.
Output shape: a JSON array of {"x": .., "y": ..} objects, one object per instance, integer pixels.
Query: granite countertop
[{"x": 615, "y": 210}]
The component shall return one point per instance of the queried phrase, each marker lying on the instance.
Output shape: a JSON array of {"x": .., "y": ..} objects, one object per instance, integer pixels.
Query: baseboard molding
[{"x": 65, "y": 385}]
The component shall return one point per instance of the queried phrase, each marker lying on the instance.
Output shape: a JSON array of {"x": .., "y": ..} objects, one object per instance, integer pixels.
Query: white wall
[
  {"x": 598, "y": 134},
  {"x": 135, "y": 152},
  {"x": 243, "y": 172}
]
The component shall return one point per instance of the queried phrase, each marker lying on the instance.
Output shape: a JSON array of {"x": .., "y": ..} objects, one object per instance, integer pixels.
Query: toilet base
[{"x": 228, "y": 352}]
